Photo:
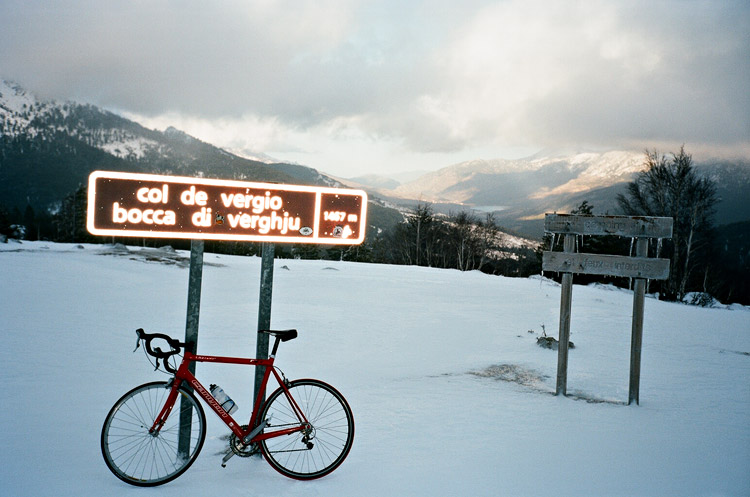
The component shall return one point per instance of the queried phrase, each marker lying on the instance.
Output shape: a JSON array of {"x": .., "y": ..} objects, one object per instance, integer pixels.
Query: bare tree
[
  {"x": 672, "y": 188},
  {"x": 697, "y": 219},
  {"x": 463, "y": 239},
  {"x": 421, "y": 223},
  {"x": 488, "y": 231},
  {"x": 414, "y": 242}
]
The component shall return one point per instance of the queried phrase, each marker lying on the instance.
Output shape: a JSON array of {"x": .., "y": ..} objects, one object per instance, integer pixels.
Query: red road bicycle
[{"x": 304, "y": 429}]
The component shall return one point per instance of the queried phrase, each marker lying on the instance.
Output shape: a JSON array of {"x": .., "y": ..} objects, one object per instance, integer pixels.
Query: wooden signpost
[
  {"x": 197, "y": 209},
  {"x": 640, "y": 267}
]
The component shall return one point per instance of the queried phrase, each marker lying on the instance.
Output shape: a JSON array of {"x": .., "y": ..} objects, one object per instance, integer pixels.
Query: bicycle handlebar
[
  {"x": 156, "y": 352},
  {"x": 176, "y": 346}
]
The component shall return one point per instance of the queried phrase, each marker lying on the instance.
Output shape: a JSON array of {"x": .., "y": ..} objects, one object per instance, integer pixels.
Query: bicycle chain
[{"x": 288, "y": 450}]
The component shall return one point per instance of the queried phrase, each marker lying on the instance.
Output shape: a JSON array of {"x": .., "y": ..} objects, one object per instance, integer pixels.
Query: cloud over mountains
[{"x": 409, "y": 82}]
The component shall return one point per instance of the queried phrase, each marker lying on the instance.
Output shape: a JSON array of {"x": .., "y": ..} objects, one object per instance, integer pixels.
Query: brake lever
[{"x": 139, "y": 336}]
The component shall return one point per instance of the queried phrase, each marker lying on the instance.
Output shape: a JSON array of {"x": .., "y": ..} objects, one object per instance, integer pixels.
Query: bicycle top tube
[{"x": 248, "y": 361}]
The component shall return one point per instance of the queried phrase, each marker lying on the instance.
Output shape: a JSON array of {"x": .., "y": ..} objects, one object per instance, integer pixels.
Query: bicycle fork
[{"x": 164, "y": 414}]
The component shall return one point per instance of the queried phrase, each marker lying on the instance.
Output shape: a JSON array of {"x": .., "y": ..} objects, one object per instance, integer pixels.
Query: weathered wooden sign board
[
  {"x": 627, "y": 226},
  {"x": 146, "y": 205},
  {"x": 639, "y": 267},
  {"x": 606, "y": 265}
]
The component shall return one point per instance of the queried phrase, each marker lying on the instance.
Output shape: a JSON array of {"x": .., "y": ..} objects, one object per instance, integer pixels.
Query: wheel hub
[{"x": 308, "y": 435}]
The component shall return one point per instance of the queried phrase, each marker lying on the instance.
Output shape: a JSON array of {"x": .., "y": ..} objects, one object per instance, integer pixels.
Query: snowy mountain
[
  {"x": 537, "y": 177},
  {"x": 48, "y": 149},
  {"x": 376, "y": 181},
  {"x": 254, "y": 155},
  {"x": 521, "y": 191},
  {"x": 24, "y": 117}
]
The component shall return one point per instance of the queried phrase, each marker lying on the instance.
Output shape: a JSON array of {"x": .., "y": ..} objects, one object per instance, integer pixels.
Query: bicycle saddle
[{"x": 283, "y": 335}]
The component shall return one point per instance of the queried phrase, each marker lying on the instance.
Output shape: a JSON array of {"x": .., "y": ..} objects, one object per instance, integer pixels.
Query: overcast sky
[{"x": 353, "y": 87}]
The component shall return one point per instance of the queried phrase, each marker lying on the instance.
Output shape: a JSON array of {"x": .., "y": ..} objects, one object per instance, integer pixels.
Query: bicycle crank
[
  {"x": 245, "y": 442},
  {"x": 242, "y": 449}
]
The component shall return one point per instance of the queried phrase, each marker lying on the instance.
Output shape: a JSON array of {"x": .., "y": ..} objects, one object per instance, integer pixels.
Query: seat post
[{"x": 275, "y": 346}]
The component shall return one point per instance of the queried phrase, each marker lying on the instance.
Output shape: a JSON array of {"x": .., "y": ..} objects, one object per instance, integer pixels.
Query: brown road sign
[
  {"x": 611, "y": 265},
  {"x": 146, "y": 205},
  {"x": 627, "y": 226}
]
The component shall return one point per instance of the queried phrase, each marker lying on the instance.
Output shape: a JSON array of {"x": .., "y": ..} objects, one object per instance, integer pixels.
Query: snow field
[{"x": 451, "y": 395}]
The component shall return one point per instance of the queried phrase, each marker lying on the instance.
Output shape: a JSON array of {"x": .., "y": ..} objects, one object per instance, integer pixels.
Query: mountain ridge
[
  {"x": 520, "y": 191},
  {"x": 48, "y": 148}
]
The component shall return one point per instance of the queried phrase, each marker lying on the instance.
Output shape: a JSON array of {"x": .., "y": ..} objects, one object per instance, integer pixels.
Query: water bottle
[{"x": 222, "y": 398}]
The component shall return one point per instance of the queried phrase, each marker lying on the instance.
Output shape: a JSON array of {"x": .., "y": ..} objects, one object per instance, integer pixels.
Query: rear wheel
[
  {"x": 140, "y": 458},
  {"x": 323, "y": 445}
]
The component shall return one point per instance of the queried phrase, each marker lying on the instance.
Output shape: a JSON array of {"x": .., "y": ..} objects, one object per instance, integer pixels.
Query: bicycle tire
[
  {"x": 139, "y": 458},
  {"x": 332, "y": 429}
]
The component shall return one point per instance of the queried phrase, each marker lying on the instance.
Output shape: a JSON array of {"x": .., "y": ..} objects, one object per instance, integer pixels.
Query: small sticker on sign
[{"x": 306, "y": 231}]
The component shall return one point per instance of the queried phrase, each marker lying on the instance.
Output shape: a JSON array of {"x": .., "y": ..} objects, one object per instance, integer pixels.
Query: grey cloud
[{"x": 305, "y": 63}]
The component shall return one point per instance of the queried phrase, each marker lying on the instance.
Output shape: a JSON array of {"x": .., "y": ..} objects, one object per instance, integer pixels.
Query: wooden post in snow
[
  {"x": 564, "y": 334},
  {"x": 636, "y": 340}
]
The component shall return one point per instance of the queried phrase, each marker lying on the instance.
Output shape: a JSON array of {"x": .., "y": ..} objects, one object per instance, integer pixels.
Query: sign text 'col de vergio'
[{"x": 146, "y": 205}]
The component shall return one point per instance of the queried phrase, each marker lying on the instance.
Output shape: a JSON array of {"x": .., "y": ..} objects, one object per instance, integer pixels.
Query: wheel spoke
[{"x": 331, "y": 433}]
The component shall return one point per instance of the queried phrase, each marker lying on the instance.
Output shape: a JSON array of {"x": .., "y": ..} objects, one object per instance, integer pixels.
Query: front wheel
[
  {"x": 323, "y": 445},
  {"x": 146, "y": 459}
]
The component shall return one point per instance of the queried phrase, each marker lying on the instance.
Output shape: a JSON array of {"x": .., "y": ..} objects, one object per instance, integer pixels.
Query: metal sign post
[
  {"x": 195, "y": 279},
  {"x": 191, "y": 336},
  {"x": 264, "y": 310},
  {"x": 640, "y": 267}
]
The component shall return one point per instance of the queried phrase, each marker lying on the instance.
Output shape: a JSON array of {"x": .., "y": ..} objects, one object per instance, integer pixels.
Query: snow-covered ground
[{"x": 450, "y": 393}]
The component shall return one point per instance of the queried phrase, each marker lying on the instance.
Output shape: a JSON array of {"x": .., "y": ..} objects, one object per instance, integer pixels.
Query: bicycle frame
[{"x": 184, "y": 374}]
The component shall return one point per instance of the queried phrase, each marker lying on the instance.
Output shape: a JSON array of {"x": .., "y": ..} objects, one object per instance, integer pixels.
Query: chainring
[{"x": 240, "y": 448}]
